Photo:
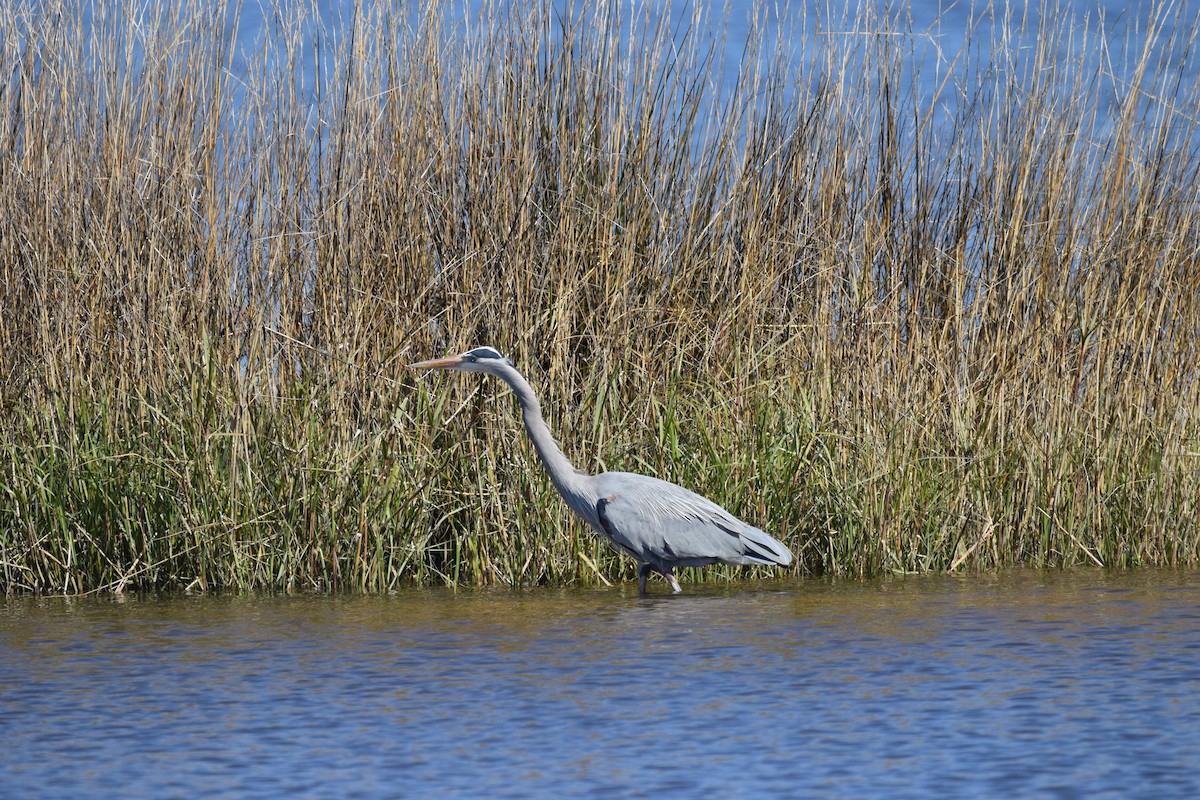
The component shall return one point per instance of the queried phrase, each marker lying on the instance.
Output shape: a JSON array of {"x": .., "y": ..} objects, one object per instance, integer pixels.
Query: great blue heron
[{"x": 662, "y": 525}]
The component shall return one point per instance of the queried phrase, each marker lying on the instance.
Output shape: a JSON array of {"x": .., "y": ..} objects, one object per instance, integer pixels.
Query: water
[
  {"x": 1030, "y": 684},
  {"x": 1103, "y": 41},
  {"x": 938, "y": 28}
]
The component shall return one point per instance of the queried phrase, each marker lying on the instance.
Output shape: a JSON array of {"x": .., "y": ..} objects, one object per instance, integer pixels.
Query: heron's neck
[{"x": 559, "y": 467}]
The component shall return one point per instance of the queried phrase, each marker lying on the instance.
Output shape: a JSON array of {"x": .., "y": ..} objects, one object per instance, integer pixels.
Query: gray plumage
[{"x": 660, "y": 524}]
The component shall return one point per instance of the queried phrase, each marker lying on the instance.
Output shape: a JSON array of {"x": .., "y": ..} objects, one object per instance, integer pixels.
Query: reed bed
[{"x": 904, "y": 330}]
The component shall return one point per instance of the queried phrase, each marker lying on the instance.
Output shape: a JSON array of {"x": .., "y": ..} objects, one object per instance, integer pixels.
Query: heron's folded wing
[{"x": 660, "y": 521}]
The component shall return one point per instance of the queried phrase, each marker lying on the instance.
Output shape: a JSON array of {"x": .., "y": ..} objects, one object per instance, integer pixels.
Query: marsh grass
[{"x": 904, "y": 331}]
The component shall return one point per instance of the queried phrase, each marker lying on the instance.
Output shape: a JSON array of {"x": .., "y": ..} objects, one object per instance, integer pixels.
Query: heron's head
[{"x": 477, "y": 359}]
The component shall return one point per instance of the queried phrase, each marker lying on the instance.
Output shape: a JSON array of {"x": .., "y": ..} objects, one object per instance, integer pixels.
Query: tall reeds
[{"x": 904, "y": 329}]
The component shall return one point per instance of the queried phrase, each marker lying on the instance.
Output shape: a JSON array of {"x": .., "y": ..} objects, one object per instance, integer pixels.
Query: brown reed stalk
[{"x": 904, "y": 332}]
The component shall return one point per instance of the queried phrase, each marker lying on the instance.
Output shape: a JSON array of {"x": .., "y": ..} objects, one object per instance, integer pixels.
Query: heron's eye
[{"x": 469, "y": 357}]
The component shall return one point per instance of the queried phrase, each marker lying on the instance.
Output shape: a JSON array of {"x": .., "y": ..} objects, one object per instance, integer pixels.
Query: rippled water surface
[{"x": 1030, "y": 684}]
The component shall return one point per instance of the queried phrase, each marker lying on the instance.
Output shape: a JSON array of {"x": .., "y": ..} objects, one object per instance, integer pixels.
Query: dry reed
[{"x": 902, "y": 331}]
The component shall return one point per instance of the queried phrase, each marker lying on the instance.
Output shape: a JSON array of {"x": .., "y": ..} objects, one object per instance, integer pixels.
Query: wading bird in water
[{"x": 662, "y": 525}]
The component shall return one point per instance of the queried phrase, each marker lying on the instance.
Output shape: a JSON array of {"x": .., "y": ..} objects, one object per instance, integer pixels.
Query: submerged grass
[{"x": 902, "y": 329}]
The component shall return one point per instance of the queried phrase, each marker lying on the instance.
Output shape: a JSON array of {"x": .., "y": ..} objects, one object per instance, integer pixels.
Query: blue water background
[{"x": 1027, "y": 684}]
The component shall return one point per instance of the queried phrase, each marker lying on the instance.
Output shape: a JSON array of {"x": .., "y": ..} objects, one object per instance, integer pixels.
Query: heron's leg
[
  {"x": 670, "y": 576},
  {"x": 643, "y": 572}
]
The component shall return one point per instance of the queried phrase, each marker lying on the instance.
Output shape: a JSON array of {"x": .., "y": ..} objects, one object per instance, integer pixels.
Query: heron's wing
[{"x": 663, "y": 523}]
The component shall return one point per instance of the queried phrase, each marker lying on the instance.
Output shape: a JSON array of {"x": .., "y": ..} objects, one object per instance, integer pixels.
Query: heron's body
[{"x": 660, "y": 524}]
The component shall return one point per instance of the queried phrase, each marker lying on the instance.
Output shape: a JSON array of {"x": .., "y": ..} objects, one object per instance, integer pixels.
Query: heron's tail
[{"x": 761, "y": 547}]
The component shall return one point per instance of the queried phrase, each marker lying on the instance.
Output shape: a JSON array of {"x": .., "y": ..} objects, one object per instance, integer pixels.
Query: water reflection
[{"x": 1023, "y": 684}]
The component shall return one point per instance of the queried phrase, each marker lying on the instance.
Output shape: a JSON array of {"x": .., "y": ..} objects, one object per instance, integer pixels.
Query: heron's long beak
[{"x": 449, "y": 362}]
